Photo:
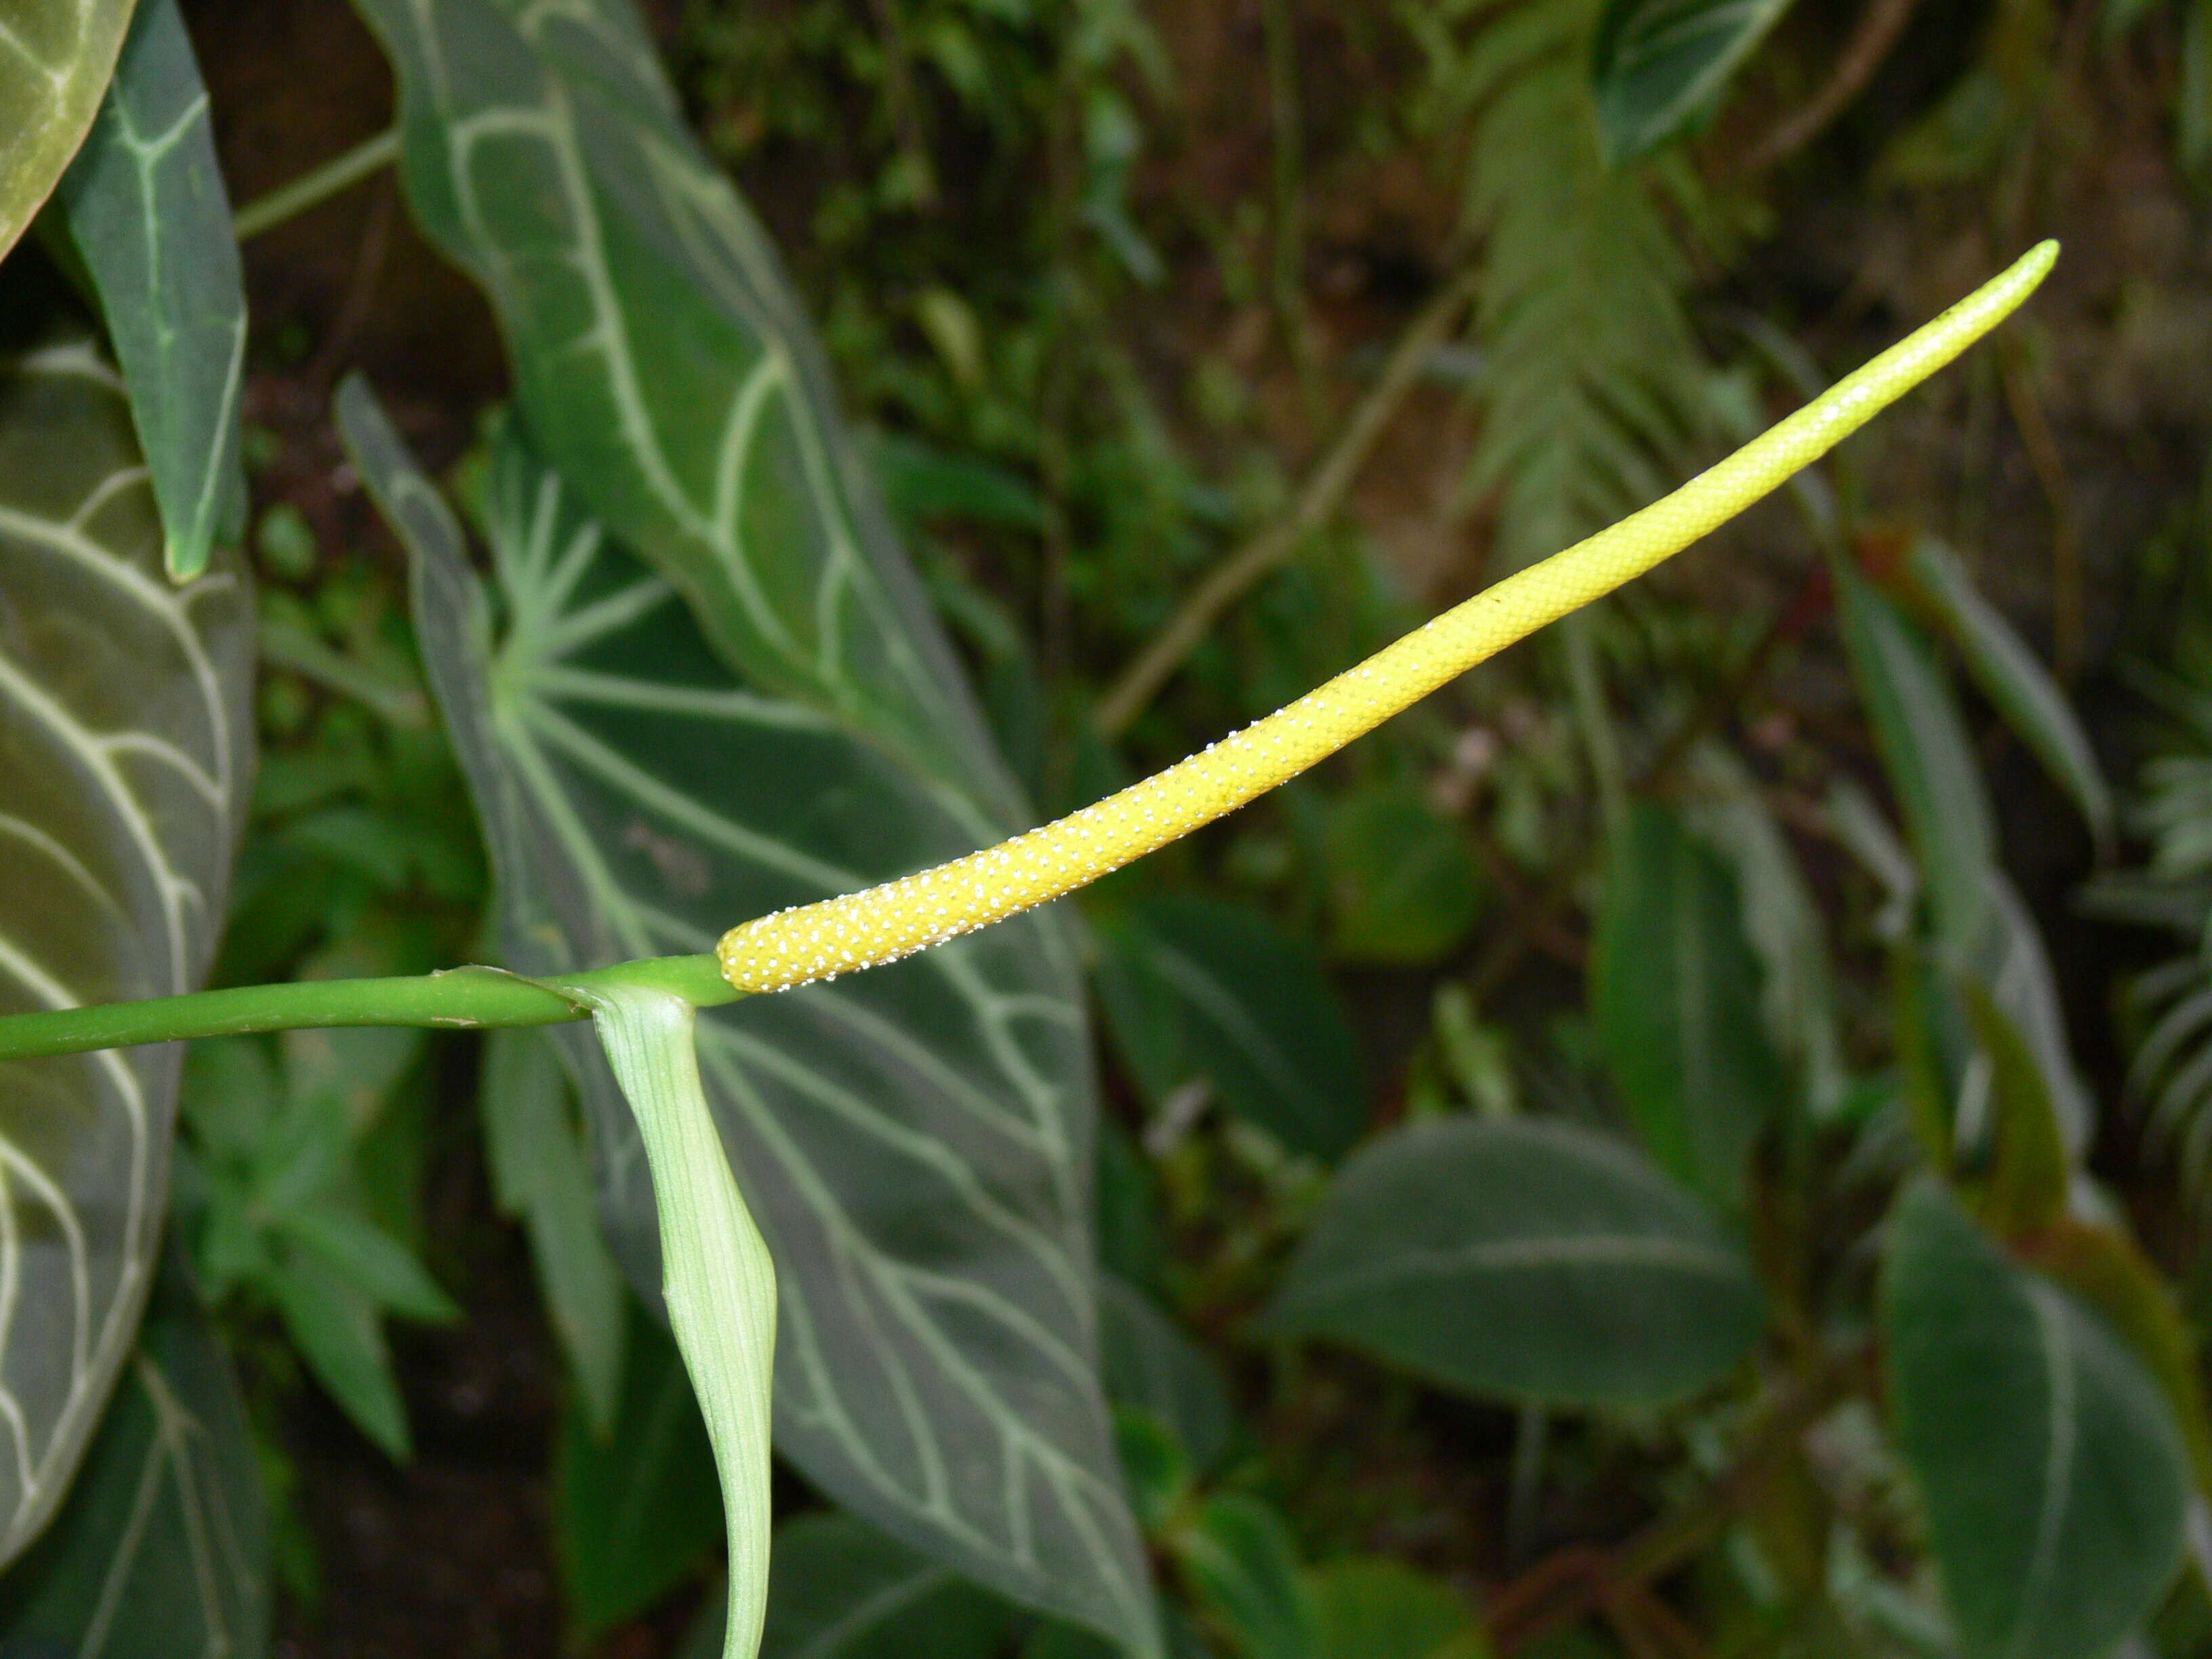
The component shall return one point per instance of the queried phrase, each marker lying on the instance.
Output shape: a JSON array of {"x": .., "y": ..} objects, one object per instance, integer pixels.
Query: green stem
[
  {"x": 313, "y": 188},
  {"x": 464, "y": 999}
]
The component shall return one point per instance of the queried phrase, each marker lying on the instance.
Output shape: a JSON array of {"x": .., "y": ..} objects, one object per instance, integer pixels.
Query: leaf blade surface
[{"x": 126, "y": 741}]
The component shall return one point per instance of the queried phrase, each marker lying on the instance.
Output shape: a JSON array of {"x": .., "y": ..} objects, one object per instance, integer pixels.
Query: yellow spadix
[{"x": 882, "y": 924}]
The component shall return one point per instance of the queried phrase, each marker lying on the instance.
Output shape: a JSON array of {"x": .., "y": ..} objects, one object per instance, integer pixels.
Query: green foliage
[
  {"x": 1244, "y": 1571},
  {"x": 541, "y": 1175},
  {"x": 1404, "y": 888},
  {"x": 112, "y": 884},
  {"x": 1377, "y": 1607},
  {"x": 147, "y": 212},
  {"x": 1658, "y": 64},
  {"x": 1201, "y": 994},
  {"x": 631, "y": 796},
  {"x": 51, "y": 81},
  {"x": 1531, "y": 1260},
  {"x": 281, "y": 1211},
  {"x": 163, "y": 1546},
  {"x": 2054, "y": 1476},
  {"x": 1151, "y": 1365},
  {"x": 1675, "y": 990},
  {"x": 1591, "y": 384},
  {"x": 2014, "y": 680},
  {"x": 839, "y": 1590},
  {"x": 1108, "y": 315},
  {"x": 637, "y": 1510}
]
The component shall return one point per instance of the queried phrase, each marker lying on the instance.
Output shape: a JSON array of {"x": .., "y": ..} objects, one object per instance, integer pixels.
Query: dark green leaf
[
  {"x": 2031, "y": 1176},
  {"x": 2055, "y": 1479},
  {"x": 2015, "y": 680},
  {"x": 1404, "y": 887},
  {"x": 1241, "y": 1563},
  {"x": 2121, "y": 16},
  {"x": 923, "y": 483},
  {"x": 287, "y": 1209},
  {"x": 661, "y": 362},
  {"x": 1200, "y": 991},
  {"x": 1150, "y": 1364},
  {"x": 913, "y": 1140},
  {"x": 1530, "y": 1260},
  {"x": 636, "y": 1512},
  {"x": 163, "y": 1546},
  {"x": 370, "y": 1259},
  {"x": 148, "y": 212},
  {"x": 1675, "y": 989},
  {"x": 1782, "y": 922},
  {"x": 1371, "y": 1606},
  {"x": 339, "y": 1331},
  {"x": 1981, "y": 928},
  {"x": 840, "y": 1589},
  {"x": 1932, "y": 767},
  {"x": 1659, "y": 62},
  {"x": 1155, "y": 1464},
  {"x": 125, "y": 725},
  {"x": 541, "y": 1175},
  {"x": 60, "y": 55}
]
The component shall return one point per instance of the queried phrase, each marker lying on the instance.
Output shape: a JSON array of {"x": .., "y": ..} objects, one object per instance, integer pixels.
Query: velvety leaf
[
  {"x": 2054, "y": 1478},
  {"x": 541, "y": 1175},
  {"x": 1658, "y": 63},
  {"x": 60, "y": 55},
  {"x": 1675, "y": 990},
  {"x": 148, "y": 212},
  {"x": 163, "y": 1546},
  {"x": 1150, "y": 1364},
  {"x": 636, "y": 1511},
  {"x": 1372, "y": 1607},
  {"x": 1525, "y": 1258},
  {"x": 126, "y": 742},
  {"x": 2108, "y": 1270},
  {"x": 1200, "y": 991},
  {"x": 2015, "y": 681},
  {"x": 1239, "y": 1558},
  {"x": 915, "y": 1140},
  {"x": 840, "y": 1589},
  {"x": 661, "y": 361}
]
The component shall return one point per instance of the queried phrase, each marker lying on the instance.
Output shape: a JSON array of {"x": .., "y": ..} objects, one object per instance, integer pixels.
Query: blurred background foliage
[{"x": 1201, "y": 348}]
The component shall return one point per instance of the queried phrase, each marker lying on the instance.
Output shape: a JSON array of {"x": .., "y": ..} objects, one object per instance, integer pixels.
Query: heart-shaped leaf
[
  {"x": 59, "y": 56},
  {"x": 1531, "y": 1260},
  {"x": 661, "y": 362},
  {"x": 148, "y": 211},
  {"x": 125, "y": 741},
  {"x": 2056, "y": 1480},
  {"x": 163, "y": 1546},
  {"x": 915, "y": 1140}
]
